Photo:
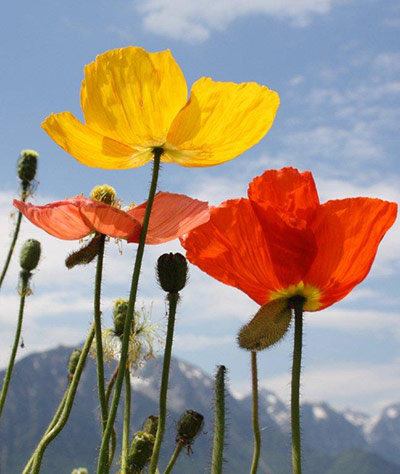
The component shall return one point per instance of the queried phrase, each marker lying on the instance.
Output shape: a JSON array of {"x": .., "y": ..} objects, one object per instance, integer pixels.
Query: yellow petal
[
  {"x": 220, "y": 121},
  {"x": 132, "y": 96},
  {"x": 89, "y": 147}
]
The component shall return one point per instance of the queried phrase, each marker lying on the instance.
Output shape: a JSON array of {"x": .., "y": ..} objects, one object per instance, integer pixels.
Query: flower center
[
  {"x": 309, "y": 292},
  {"x": 104, "y": 193}
]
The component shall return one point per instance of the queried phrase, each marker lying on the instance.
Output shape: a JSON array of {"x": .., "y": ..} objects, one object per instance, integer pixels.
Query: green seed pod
[
  {"x": 150, "y": 425},
  {"x": 27, "y": 165},
  {"x": 172, "y": 271},
  {"x": 267, "y": 327},
  {"x": 73, "y": 361},
  {"x": 140, "y": 451},
  {"x": 80, "y": 470},
  {"x": 120, "y": 311},
  {"x": 30, "y": 255},
  {"x": 189, "y": 426}
]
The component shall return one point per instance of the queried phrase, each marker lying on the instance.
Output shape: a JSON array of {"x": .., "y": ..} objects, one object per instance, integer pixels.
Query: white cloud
[{"x": 194, "y": 21}]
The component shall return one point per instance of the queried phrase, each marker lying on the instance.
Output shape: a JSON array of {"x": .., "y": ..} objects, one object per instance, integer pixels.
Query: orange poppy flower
[
  {"x": 281, "y": 242},
  {"x": 172, "y": 216}
]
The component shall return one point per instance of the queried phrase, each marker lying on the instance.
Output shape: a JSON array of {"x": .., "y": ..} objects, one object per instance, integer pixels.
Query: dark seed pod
[{"x": 172, "y": 271}]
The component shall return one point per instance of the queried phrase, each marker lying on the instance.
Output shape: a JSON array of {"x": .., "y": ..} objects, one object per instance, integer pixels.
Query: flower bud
[
  {"x": 30, "y": 255},
  {"x": 172, "y": 271},
  {"x": 27, "y": 165},
  {"x": 267, "y": 327},
  {"x": 150, "y": 425},
  {"x": 189, "y": 426},
  {"x": 120, "y": 311},
  {"x": 80, "y": 470},
  {"x": 73, "y": 361},
  {"x": 140, "y": 451},
  {"x": 104, "y": 193},
  {"x": 85, "y": 254}
]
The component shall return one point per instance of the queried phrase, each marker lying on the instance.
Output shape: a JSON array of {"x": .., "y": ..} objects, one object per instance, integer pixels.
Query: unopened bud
[
  {"x": 120, "y": 311},
  {"x": 189, "y": 426},
  {"x": 267, "y": 327},
  {"x": 172, "y": 271},
  {"x": 30, "y": 255},
  {"x": 140, "y": 451},
  {"x": 104, "y": 193},
  {"x": 85, "y": 254},
  {"x": 27, "y": 165},
  {"x": 150, "y": 425},
  {"x": 73, "y": 361}
]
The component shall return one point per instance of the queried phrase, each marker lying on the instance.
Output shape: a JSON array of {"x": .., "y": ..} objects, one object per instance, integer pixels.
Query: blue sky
[{"x": 336, "y": 66}]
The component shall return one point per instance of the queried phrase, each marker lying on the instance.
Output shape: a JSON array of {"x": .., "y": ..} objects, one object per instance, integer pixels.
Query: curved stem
[
  {"x": 98, "y": 334},
  {"x": 102, "y": 463},
  {"x": 111, "y": 383},
  {"x": 174, "y": 457},
  {"x": 24, "y": 286},
  {"x": 47, "y": 438},
  {"x": 256, "y": 426},
  {"x": 125, "y": 430},
  {"x": 52, "y": 423},
  {"x": 15, "y": 237},
  {"x": 295, "y": 396},
  {"x": 219, "y": 424},
  {"x": 173, "y": 301}
]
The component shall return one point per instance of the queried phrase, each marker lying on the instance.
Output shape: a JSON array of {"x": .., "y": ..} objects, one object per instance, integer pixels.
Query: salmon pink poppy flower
[
  {"x": 135, "y": 102},
  {"x": 281, "y": 242},
  {"x": 173, "y": 215}
]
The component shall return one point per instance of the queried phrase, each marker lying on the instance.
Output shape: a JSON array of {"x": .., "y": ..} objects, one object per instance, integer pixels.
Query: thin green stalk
[
  {"x": 295, "y": 397},
  {"x": 173, "y": 301},
  {"x": 113, "y": 443},
  {"x": 111, "y": 383},
  {"x": 47, "y": 438},
  {"x": 15, "y": 237},
  {"x": 98, "y": 334},
  {"x": 256, "y": 426},
  {"x": 174, "y": 457},
  {"x": 52, "y": 423},
  {"x": 24, "y": 288},
  {"x": 102, "y": 462},
  {"x": 125, "y": 430},
  {"x": 219, "y": 424}
]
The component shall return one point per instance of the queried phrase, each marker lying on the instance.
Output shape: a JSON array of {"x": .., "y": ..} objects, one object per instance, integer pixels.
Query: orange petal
[
  {"x": 348, "y": 233},
  {"x": 231, "y": 247},
  {"x": 109, "y": 220},
  {"x": 61, "y": 219},
  {"x": 172, "y": 216}
]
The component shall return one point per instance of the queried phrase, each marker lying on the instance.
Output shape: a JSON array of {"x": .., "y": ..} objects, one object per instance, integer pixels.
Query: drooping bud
[
  {"x": 80, "y": 470},
  {"x": 30, "y": 255},
  {"x": 172, "y": 271},
  {"x": 86, "y": 254},
  {"x": 189, "y": 426},
  {"x": 73, "y": 361},
  {"x": 104, "y": 193},
  {"x": 140, "y": 452},
  {"x": 150, "y": 425},
  {"x": 27, "y": 166},
  {"x": 267, "y": 327},
  {"x": 120, "y": 311}
]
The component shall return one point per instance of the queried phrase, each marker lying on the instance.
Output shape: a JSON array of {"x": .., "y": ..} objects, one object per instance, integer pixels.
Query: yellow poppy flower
[{"x": 134, "y": 101}]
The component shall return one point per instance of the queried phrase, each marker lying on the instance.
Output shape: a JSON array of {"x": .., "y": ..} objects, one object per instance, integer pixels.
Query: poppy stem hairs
[
  {"x": 256, "y": 426},
  {"x": 297, "y": 303},
  {"x": 219, "y": 423},
  {"x": 102, "y": 467}
]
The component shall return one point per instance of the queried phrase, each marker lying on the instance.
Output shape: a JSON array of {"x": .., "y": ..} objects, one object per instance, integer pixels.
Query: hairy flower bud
[
  {"x": 27, "y": 165},
  {"x": 73, "y": 361},
  {"x": 189, "y": 426},
  {"x": 172, "y": 271},
  {"x": 267, "y": 327},
  {"x": 104, "y": 193},
  {"x": 119, "y": 315},
  {"x": 150, "y": 425},
  {"x": 30, "y": 255},
  {"x": 140, "y": 452}
]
